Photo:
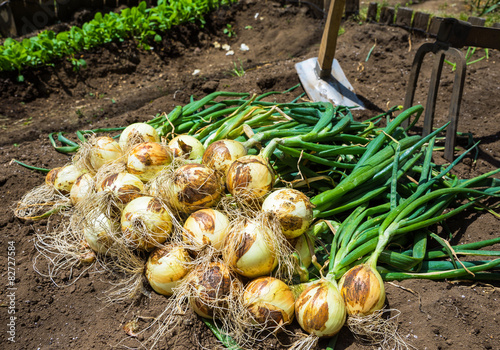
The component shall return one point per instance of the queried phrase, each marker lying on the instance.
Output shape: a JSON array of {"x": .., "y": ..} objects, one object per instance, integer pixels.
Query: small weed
[
  {"x": 248, "y": 27},
  {"x": 468, "y": 58},
  {"x": 28, "y": 121},
  {"x": 229, "y": 31},
  {"x": 237, "y": 71}
]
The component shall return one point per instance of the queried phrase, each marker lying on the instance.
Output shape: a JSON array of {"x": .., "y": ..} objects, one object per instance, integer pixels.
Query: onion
[
  {"x": 123, "y": 186},
  {"x": 146, "y": 222},
  {"x": 166, "y": 267},
  {"x": 138, "y": 133},
  {"x": 301, "y": 246},
  {"x": 63, "y": 178},
  {"x": 363, "y": 290},
  {"x": 83, "y": 187},
  {"x": 211, "y": 287},
  {"x": 193, "y": 187},
  {"x": 186, "y": 146},
  {"x": 249, "y": 249},
  {"x": 293, "y": 210},
  {"x": 221, "y": 154},
  {"x": 148, "y": 158},
  {"x": 320, "y": 310},
  {"x": 249, "y": 177},
  {"x": 270, "y": 302},
  {"x": 103, "y": 150},
  {"x": 206, "y": 226},
  {"x": 98, "y": 231}
]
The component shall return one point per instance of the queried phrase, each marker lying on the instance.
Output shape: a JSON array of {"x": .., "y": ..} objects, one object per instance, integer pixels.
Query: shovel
[{"x": 322, "y": 78}]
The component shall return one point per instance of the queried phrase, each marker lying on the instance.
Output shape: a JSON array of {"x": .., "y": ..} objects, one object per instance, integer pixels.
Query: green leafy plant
[
  {"x": 229, "y": 31},
  {"x": 237, "y": 71},
  {"x": 139, "y": 23},
  {"x": 483, "y": 7}
]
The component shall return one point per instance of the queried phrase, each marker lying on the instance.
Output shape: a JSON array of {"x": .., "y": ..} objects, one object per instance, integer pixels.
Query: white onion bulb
[
  {"x": 166, "y": 267},
  {"x": 63, "y": 178},
  {"x": 302, "y": 248},
  {"x": 83, "y": 187},
  {"x": 186, "y": 146},
  {"x": 138, "y": 133},
  {"x": 104, "y": 150},
  {"x": 293, "y": 210},
  {"x": 146, "y": 222},
  {"x": 193, "y": 187},
  {"x": 124, "y": 186},
  {"x": 250, "y": 177},
  {"x": 146, "y": 159},
  {"x": 210, "y": 286},
  {"x": 250, "y": 250},
  {"x": 221, "y": 154},
  {"x": 206, "y": 226},
  {"x": 320, "y": 309},
  {"x": 98, "y": 231},
  {"x": 270, "y": 302}
]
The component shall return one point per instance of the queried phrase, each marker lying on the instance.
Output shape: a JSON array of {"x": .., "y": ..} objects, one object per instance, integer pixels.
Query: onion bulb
[
  {"x": 221, "y": 154},
  {"x": 206, "y": 226},
  {"x": 146, "y": 159},
  {"x": 301, "y": 246},
  {"x": 270, "y": 302},
  {"x": 250, "y": 250},
  {"x": 249, "y": 177},
  {"x": 99, "y": 230},
  {"x": 210, "y": 287},
  {"x": 63, "y": 178},
  {"x": 293, "y": 210},
  {"x": 320, "y": 310},
  {"x": 138, "y": 133},
  {"x": 124, "y": 186},
  {"x": 104, "y": 150},
  {"x": 186, "y": 146},
  {"x": 363, "y": 290},
  {"x": 146, "y": 222},
  {"x": 193, "y": 187},
  {"x": 166, "y": 267},
  {"x": 83, "y": 187}
]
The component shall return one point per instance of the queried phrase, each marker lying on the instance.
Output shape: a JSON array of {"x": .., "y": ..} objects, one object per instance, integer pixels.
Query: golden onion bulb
[
  {"x": 206, "y": 226},
  {"x": 320, "y": 310},
  {"x": 250, "y": 177},
  {"x": 221, "y": 154},
  {"x": 270, "y": 302},
  {"x": 146, "y": 159},
  {"x": 293, "y": 210},
  {"x": 193, "y": 187},
  {"x": 363, "y": 290},
  {"x": 166, "y": 267},
  {"x": 104, "y": 150},
  {"x": 137, "y": 133},
  {"x": 146, "y": 222},
  {"x": 211, "y": 285},
  {"x": 186, "y": 146},
  {"x": 83, "y": 187},
  {"x": 63, "y": 178},
  {"x": 124, "y": 186},
  {"x": 98, "y": 231},
  {"x": 249, "y": 249}
]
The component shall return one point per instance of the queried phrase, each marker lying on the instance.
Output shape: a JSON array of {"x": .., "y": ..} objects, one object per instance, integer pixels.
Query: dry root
[
  {"x": 41, "y": 202},
  {"x": 305, "y": 342},
  {"x": 375, "y": 329}
]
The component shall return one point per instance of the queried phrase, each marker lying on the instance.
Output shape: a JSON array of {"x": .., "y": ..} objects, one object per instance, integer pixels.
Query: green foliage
[
  {"x": 139, "y": 23},
  {"x": 237, "y": 71},
  {"x": 484, "y": 7},
  {"x": 229, "y": 31}
]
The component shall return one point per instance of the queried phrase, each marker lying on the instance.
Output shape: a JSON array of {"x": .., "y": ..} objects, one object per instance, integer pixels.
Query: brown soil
[{"x": 124, "y": 84}]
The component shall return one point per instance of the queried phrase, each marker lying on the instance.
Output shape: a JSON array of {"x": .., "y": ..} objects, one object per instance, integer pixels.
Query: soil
[{"x": 124, "y": 84}]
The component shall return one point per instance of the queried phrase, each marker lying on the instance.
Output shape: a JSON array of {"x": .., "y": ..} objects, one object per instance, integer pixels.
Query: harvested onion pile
[{"x": 204, "y": 208}]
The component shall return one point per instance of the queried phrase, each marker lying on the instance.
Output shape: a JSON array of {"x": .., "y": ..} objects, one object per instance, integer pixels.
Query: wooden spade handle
[{"x": 329, "y": 39}]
